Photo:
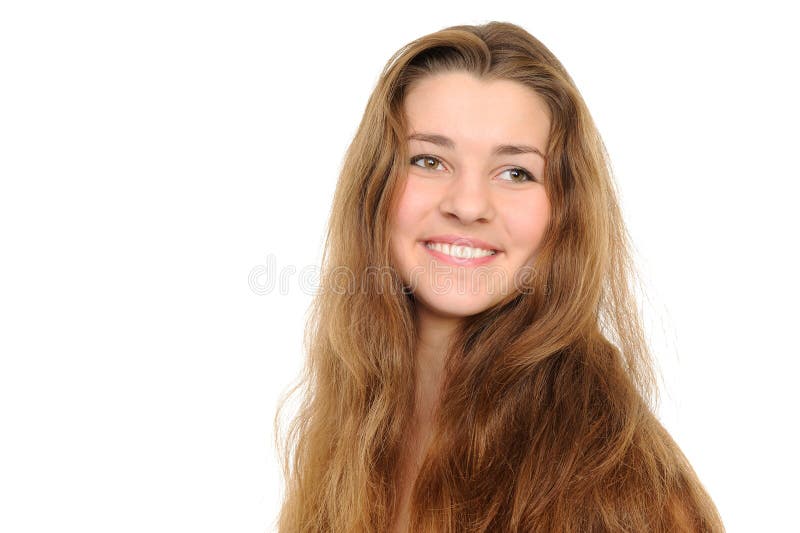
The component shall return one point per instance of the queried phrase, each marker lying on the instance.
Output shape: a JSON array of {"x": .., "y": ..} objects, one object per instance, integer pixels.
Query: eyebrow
[{"x": 503, "y": 149}]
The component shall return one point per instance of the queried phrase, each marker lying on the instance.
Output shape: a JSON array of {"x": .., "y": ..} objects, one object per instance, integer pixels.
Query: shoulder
[{"x": 658, "y": 488}]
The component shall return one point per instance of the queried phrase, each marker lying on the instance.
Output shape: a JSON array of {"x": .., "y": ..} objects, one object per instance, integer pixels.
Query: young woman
[{"x": 475, "y": 355}]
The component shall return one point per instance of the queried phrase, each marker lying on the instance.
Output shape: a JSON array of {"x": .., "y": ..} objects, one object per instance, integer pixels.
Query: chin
[{"x": 455, "y": 306}]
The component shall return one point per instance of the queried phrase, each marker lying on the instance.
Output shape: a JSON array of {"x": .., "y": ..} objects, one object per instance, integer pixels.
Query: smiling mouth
[{"x": 460, "y": 252}]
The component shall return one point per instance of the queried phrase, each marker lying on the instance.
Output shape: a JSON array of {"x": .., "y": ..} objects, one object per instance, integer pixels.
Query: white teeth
[{"x": 463, "y": 252}]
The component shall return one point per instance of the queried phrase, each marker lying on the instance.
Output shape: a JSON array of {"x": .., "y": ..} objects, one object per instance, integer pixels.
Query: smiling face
[{"x": 473, "y": 208}]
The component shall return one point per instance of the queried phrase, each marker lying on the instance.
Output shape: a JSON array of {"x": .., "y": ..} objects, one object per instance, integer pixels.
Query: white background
[{"x": 153, "y": 153}]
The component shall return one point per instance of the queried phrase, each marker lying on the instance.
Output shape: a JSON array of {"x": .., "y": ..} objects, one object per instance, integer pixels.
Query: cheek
[
  {"x": 404, "y": 214},
  {"x": 413, "y": 202},
  {"x": 528, "y": 221}
]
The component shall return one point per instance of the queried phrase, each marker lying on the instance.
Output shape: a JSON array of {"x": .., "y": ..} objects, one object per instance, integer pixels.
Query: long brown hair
[{"x": 545, "y": 420}]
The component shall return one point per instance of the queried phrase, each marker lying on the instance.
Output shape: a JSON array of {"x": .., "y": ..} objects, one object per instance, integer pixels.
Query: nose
[{"x": 468, "y": 198}]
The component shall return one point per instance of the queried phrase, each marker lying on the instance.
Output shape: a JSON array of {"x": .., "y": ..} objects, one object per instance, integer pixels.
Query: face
[{"x": 473, "y": 208}]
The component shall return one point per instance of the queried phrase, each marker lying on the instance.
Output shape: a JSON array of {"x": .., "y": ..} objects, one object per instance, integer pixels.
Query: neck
[{"x": 434, "y": 333}]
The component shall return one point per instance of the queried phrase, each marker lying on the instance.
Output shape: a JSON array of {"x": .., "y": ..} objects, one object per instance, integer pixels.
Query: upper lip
[{"x": 462, "y": 240}]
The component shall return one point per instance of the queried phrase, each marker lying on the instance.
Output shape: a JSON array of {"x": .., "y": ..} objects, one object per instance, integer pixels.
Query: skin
[{"x": 468, "y": 190}]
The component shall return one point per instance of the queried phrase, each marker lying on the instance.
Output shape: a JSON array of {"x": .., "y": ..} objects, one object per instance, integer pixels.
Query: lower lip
[{"x": 459, "y": 261}]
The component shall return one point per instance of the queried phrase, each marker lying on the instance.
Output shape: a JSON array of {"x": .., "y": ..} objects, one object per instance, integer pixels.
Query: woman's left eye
[{"x": 518, "y": 175}]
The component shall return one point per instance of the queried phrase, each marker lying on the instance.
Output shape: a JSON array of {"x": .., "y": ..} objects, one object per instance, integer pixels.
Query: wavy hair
[{"x": 545, "y": 421}]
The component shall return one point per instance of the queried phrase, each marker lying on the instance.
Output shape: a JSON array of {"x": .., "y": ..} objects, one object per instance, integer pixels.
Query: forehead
[{"x": 475, "y": 111}]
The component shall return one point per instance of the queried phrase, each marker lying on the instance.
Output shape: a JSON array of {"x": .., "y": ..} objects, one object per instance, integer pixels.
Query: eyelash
[{"x": 530, "y": 177}]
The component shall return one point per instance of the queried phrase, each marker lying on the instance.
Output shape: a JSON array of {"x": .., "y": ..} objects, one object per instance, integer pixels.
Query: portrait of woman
[
  {"x": 476, "y": 360},
  {"x": 283, "y": 267}
]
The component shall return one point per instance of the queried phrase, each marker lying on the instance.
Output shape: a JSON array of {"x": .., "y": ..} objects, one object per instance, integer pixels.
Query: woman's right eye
[{"x": 427, "y": 161}]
